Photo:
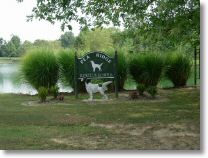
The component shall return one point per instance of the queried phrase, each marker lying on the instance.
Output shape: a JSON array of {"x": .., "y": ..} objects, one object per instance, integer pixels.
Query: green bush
[
  {"x": 54, "y": 90},
  {"x": 122, "y": 67},
  {"x": 152, "y": 90},
  {"x": 42, "y": 93},
  {"x": 178, "y": 69},
  {"x": 146, "y": 68},
  {"x": 141, "y": 88},
  {"x": 40, "y": 68},
  {"x": 66, "y": 64}
]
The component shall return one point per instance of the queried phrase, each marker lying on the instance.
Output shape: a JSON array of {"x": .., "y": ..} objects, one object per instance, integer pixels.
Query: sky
[{"x": 13, "y": 22}]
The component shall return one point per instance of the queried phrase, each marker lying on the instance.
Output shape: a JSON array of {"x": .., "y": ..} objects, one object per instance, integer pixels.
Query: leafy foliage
[
  {"x": 10, "y": 48},
  {"x": 158, "y": 19},
  {"x": 67, "y": 40},
  {"x": 178, "y": 68},
  {"x": 40, "y": 68},
  {"x": 96, "y": 40}
]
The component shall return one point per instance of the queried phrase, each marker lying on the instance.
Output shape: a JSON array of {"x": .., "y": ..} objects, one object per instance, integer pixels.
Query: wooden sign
[{"x": 96, "y": 65}]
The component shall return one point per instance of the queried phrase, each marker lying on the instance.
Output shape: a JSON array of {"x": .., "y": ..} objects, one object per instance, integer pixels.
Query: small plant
[
  {"x": 141, "y": 88},
  {"x": 42, "y": 93},
  {"x": 152, "y": 90},
  {"x": 178, "y": 69},
  {"x": 54, "y": 91}
]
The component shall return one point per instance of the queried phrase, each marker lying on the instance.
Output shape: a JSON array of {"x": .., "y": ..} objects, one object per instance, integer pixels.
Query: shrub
[
  {"x": 141, "y": 88},
  {"x": 152, "y": 90},
  {"x": 122, "y": 70},
  {"x": 66, "y": 64},
  {"x": 40, "y": 68},
  {"x": 178, "y": 68},
  {"x": 146, "y": 68},
  {"x": 42, "y": 93},
  {"x": 122, "y": 67},
  {"x": 54, "y": 91}
]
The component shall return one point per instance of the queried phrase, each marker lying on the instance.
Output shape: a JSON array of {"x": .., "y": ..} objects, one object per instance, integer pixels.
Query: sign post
[
  {"x": 96, "y": 65},
  {"x": 116, "y": 73},
  {"x": 75, "y": 76}
]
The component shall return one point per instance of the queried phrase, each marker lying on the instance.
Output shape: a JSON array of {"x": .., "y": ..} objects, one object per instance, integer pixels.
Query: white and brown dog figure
[
  {"x": 94, "y": 88},
  {"x": 94, "y": 66}
]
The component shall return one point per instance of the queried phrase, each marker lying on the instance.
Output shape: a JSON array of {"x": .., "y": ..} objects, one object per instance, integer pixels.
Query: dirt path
[{"x": 130, "y": 136}]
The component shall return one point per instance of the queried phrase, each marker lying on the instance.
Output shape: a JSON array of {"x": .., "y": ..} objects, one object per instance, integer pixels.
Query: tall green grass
[
  {"x": 66, "y": 64},
  {"x": 146, "y": 68},
  {"x": 40, "y": 68},
  {"x": 122, "y": 67},
  {"x": 178, "y": 68}
]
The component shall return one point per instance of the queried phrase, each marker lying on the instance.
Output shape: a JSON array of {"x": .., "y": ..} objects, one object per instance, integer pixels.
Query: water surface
[{"x": 10, "y": 81}]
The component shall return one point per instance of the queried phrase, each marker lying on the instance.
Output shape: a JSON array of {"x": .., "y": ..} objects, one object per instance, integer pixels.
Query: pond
[{"x": 10, "y": 81}]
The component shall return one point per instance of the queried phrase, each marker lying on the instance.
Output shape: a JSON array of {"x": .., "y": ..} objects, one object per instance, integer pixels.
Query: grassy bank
[
  {"x": 6, "y": 60},
  {"x": 169, "y": 122}
]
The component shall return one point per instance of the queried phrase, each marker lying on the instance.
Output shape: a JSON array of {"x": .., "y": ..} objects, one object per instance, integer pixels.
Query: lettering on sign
[{"x": 95, "y": 65}]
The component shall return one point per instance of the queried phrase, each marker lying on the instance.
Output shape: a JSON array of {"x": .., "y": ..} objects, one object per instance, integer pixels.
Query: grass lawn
[{"x": 171, "y": 121}]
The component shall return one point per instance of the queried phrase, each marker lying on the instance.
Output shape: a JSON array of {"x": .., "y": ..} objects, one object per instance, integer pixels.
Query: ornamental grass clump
[
  {"x": 66, "y": 64},
  {"x": 178, "y": 69},
  {"x": 122, "y": 67},
  {"x": 40, "y": 68},
  {"x": 146, "y": 69}
]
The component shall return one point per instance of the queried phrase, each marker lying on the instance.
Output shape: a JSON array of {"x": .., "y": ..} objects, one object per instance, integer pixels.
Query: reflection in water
[{"x": 10, "y": 81}]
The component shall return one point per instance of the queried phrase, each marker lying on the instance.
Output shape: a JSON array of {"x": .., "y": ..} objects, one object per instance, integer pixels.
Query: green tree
[
  {"x": 16, "y": 41},
  {"x": 177, "y": 20},
  {"x": 67, "y": 40},
  {"x": 11, "y": 49},
  {"x": 94, "y": 40},
  {"x": 2, "y": 47},
  {"x": 53, "y": 45},
  {"x": 25, "y": 47},
  {"x": 39, "y": 43}
]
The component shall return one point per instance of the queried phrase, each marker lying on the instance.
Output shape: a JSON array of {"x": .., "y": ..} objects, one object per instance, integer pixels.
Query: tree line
[{"x": 102, "y": 39}]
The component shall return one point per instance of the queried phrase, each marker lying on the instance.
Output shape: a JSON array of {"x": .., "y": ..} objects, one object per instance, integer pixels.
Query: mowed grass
[{"x": 169, "y": 122}]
